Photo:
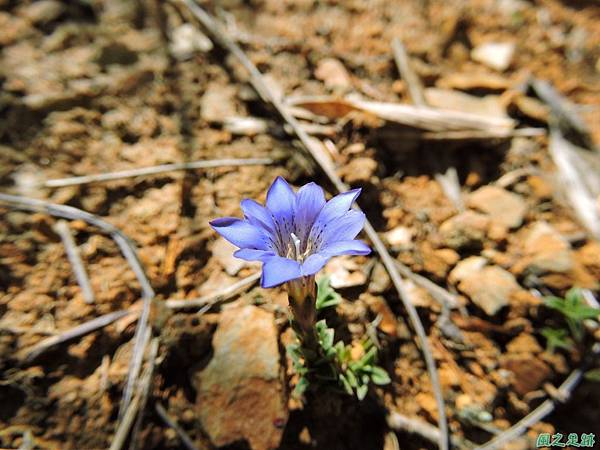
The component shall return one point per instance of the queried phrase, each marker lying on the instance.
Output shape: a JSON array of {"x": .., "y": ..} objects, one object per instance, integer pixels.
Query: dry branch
[
  {"x": 217, "y": 297},
  {"x": 185, "y": 439},
  {"x": 130, "y": 254},
  {"x": 63, "y": 230},
  {"x": 78, "y": 331},
  {"x": 415, "y": 88},
  {"x": 134, "y": 407},
  {"x": 155, "y": 170},
  {"x": 219, "y": 35}
]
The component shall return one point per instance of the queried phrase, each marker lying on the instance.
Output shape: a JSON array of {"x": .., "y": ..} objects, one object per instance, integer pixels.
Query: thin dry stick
[
  {"x": 129, "y": 253},
  {"x": 63, "y": 230},
  {"x": 219, "y": 35},
  {"x": 145, "y": 393},
  {"x": 415, "y": 89},
  {"x": 217, "y": 297},
  {"x": 573, "y": 181},
  {"x": 185, "y": 439},
  {"x": 448, "y": 180},
  {"x": 565, "y": 390},
  {"x": 563, "y": 109},
  {"x": 481, "y": 134},
  {"x": 130, "y": 413},
  {"x": 400, "y": 422},
  {"x": 154, "y": 170},
  {"x": 437, "y": 292},
  {"x": 78, "y": 331}
]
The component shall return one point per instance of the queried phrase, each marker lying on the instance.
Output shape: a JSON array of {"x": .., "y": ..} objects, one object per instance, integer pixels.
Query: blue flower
[{"x": 296, "y": 233}]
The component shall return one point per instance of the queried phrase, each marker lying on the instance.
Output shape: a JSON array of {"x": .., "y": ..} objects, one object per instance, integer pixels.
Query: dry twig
[
  {"x": 413, "y": 82},
  {"x": 400, "y": 422},
  {"x": 78, "y": 331},
  {"x": 135, "y": 405},
  {"x": 564, "y": 390},
  {"x": 145, "y": 392},
  {"x": 185, "y": 439},
  {"x": 256, "y": 78},
  {"x": 217, "y": 297},
  {"x": 155, "y": 170},
  {"x": 63, "y": 230},
  {"x": 130, "y": 254}
]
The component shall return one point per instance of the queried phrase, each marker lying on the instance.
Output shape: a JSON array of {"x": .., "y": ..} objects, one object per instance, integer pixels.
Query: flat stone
[
  {"x": 241, "y": 395},
  {"x": 490, "y": 288},
  {"x": 547, "y": 250},
  {"x": 333, "y": 73},
  {"x": 529, "y": 371},
  {"x": 497, "y": 55},
  {"x": 465, "y": 230},
  {"x": 466, "y": 268},
  {"x": 500, "y": 205}
]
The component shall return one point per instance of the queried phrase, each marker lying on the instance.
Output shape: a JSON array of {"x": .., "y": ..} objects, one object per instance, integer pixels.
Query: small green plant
[
  {"x": 575, "y": 310},
  {"x": 557, "y": 338},
  {"x": 326, "y": 296},
  {"x": 593, "y": 375},
  {"x": 294, "y": 235},
  {"x": 334, "y": 362}
]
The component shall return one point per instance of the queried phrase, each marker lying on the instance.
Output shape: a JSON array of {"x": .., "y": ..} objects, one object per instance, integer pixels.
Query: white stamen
[{"x": 296, "y": 244}]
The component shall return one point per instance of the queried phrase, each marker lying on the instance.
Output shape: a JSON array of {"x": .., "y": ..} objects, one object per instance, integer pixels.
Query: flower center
[{"x": 294, "y": 249}]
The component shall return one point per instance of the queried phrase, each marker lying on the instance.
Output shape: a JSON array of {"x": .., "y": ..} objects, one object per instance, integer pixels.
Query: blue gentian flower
[{"x": 296, "y": 233}]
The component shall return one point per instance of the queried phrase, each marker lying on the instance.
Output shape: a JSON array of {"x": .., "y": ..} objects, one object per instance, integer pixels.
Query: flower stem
[{"x": 302, "y": 301}]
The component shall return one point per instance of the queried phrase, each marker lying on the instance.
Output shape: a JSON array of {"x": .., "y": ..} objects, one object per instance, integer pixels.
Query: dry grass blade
[
  {"x": 419, "y": 117},
  {"x": 440, "y": 294},
  {"x": 321, "y": 158},
  {"x": 573, "y": 177},
  {"x": 63, "y": 230},
  {"x": 134, "y": 406},
  {"x": 155, "y": 170},
  {"x": 185, "y": 439},
  {"x": 78, "y": 331},
  {"x": 564, "y": 392},
  {"x": 400, "y": 422},
  {"x": 145, "y": 392},
  {"x": 415, "y": 89},
  {"x": 217, "y": 297},
  {"x": 564, "y": 111},
  {"x": 130, "y": 254}
]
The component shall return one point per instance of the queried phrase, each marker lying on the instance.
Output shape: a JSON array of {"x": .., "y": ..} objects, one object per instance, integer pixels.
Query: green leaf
[
  {"x": 556, "y": 338},
  {"x": 379, "y": 376},
  {"x": 301, "y": 387},
  {"x": 593, "y": 375},
  {"x": 361, "y": 391},
  {"x": 345, "y": 383},
  {"x": 368, "y": 357},
  {"x": 352, "y": 378},
  {"x": 326, "y": 296}
]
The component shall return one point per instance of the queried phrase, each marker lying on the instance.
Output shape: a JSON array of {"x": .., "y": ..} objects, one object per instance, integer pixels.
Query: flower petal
[
  {"x": 281, "y": 198},
  {"x": 314, "y": 263},
  {"x": 277, "y": 270},
  {"x": 337, "y": 206},
  {"x": 310, "y": 200},
  {"x": 353, "y": 247},
  {"x": 249, "y": 254},
  {"x": 344, "y": 228},
  {"x": 240, "y": 233},
  {"x": 258, "y": 215}
]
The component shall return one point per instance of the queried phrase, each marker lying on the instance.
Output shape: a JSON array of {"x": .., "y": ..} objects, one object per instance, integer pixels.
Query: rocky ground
[{"x": 95, "y": 86}]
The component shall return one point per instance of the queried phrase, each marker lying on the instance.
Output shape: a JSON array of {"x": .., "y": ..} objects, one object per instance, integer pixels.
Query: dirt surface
[{"x": 94, "y": 86}]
